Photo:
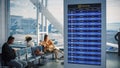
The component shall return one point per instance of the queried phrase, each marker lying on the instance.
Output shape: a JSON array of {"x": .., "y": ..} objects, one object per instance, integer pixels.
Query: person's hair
[
  {"x": 45, "y": 37},
  {"x": 28, "y": 39},
  {"x": 10, "y": 38}
]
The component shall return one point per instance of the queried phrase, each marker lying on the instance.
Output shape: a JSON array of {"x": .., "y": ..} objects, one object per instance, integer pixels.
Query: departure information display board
[{"x": 84, "y": 34}]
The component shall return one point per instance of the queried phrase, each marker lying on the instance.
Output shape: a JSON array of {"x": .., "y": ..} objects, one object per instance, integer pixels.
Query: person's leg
[
  {"x": 15, "y": 63},
  {"x": 61, "y": 51},
  {"x": 56, "y": 53},
  {"x": 24, "y": 63}
]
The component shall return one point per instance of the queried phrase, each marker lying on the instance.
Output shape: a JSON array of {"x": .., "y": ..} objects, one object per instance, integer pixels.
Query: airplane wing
[{"x": 112, "y": 45}]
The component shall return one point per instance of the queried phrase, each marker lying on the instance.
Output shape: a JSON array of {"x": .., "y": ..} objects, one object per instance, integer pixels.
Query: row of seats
[{"x": 28, "y": 55}]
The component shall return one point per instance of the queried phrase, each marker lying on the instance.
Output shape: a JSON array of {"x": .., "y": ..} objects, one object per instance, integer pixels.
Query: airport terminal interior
[{"x": 93, "y": 45}]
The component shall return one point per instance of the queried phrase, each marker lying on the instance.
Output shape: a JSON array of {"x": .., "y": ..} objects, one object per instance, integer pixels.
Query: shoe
[
  {"x": 62, "y": 57},
  {"x": 56, "y": 60},
  {"x": 62, "y": 63}
]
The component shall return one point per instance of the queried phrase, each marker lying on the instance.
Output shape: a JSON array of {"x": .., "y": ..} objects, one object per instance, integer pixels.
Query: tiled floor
[
  {"x": 53, "y": 64},
  {"x": 113, "y": 61}
]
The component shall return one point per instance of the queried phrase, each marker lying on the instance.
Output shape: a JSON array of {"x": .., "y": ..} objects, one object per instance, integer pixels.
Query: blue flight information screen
[{"x": 84, "y": 34}]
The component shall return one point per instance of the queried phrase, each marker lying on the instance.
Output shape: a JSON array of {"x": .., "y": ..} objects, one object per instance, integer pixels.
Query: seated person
[
  {"x": 29, "y": 42},
  {"x": 9, "y": 55},
  {"x": 49, "y": 47}
]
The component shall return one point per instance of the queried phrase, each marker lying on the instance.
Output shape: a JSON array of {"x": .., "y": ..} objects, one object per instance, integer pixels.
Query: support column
[
  {"x": 46, "y": 23},
  {"x": 4, "y": 20},
  {"x": 38, "y": 24}
]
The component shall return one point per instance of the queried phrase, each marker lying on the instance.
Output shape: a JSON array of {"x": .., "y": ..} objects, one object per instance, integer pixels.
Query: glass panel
[
  {"x": 23, "y": 20},
  {"x": 55, "y": 7},
  {"x": 113, "y": 24}
]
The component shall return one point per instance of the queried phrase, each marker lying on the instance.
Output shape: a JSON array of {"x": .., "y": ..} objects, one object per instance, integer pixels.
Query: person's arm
[
  {"x": 43, "y": 43},
  {"x": 51, "y": 43},
  {"x": 10, "y": 52},
  {"x": 116, "y": 37}
]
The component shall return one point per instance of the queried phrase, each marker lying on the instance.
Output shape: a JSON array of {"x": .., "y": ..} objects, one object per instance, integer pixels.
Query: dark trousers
[{"x": 17, "y": 63}]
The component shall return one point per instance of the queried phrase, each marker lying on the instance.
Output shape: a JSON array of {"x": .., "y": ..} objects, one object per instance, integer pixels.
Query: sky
[
  {"x": 113, "y": 11},
  {"x": 26, "y": 9},
  {"x": 22, "y": 8}
]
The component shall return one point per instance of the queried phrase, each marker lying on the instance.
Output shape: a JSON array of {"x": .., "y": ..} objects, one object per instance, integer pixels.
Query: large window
[
  {"x": 113, "y": 23},
  {"x": 24, "y": 20},
  {"x": 56, "y": 9}
]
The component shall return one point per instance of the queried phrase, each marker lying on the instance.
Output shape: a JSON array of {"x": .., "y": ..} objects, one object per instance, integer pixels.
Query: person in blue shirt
[{"x": 9, "y": 55}]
